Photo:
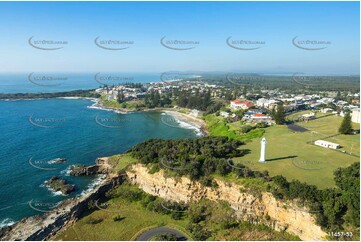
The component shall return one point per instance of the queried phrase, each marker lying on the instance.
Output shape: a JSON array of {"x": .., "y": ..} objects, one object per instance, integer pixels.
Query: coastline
[
  {"x": 47, "y": 225},
  {"x": 196, "y": 123}
]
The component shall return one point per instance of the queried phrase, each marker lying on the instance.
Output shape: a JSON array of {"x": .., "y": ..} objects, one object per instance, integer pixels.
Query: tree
[
  {"x": 348, "y": 179},
  {"x": 338, "y": 96},
  {"x": 280, "y": 116},
  {"x": 244, "y": 91},
  {"x": 120, "y": 96},
  {"x": 346, "y": 126},
  {"x": 156, "y": 99},
  {"x": 273, "y": 113}
]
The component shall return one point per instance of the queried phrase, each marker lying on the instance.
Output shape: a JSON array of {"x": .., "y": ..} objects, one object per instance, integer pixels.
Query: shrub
[
  {"x": 92, "y": 220},
  {"x": 246, "y": 128},
  {"x": 261, "y": 125},
  {"x": 118, "y": 218},
  {"x": 154, "y": 169}
]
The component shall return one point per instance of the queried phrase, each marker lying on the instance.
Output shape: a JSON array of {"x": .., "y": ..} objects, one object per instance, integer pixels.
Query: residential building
[{"x": 238, "y": 104}]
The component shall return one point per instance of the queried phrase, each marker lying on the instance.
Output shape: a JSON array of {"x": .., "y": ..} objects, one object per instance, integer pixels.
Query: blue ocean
[
  {"x": 36, "y": 82},
  {"x": 35, "y": 132}
]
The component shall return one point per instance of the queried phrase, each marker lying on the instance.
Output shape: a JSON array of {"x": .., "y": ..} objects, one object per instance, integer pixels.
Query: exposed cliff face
[{"x": 248, "y": 207}]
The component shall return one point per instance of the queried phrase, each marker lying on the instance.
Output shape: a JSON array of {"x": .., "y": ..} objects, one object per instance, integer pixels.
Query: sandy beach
[{"x": 197, "y": 123}]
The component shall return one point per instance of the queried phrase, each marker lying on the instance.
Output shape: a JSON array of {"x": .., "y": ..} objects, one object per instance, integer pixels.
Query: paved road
[{"x": 147, "y": 235}]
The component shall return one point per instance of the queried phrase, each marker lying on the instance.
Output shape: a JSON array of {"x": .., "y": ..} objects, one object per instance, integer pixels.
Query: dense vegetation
[
  {"x": 291, "y": 83},
  {"x": 76, "y": 93},
  {"x": 198, "y": 100},
  {"x": 154, "y": 99},
  {"x": 194, "y": 157},
  {"x": 335, "y": 208}
]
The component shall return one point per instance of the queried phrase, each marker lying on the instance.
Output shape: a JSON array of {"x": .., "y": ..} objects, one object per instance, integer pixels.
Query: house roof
[
  {"x": 259, "y": 115},
  {"x": 248, "y": 104}
]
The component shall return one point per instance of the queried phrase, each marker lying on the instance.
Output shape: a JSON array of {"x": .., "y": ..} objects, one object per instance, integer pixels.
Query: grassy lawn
[
  {"x": 218, "y": 127},
  {"x": 298, "y": 114},
  {"x": 110, "y": 103},
  {"x": 129, "y": 105},
  {"x": 288, "y": 153},
  {"x": 119, "y": 162},
  {"x": 328, "y": 126},
  {"x": 136, "y": 218}
]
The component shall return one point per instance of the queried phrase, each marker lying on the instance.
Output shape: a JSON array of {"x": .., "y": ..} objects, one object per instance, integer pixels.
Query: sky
[{"x": 208, "y": 25}]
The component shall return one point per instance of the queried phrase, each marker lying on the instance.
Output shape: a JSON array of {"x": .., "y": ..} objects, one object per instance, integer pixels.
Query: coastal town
[
  {"x": 180, "y": 121},
  {"x": 236, "y": 118},
  {"x": 255, "y": 106}
]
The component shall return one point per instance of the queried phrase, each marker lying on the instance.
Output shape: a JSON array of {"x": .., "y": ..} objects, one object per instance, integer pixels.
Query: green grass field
[
  {"x": 218, "y": 127},
  {"x": 289, "y": 154},
  {"x": 131, "y": 105},
  {"x": 136, "y": 219},
  {"x": 119, "y": 162}
]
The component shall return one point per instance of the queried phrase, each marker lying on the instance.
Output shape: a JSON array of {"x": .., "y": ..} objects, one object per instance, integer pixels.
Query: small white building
[
  {"x": 224, "y": 114},
  {"x": 326, "y": 100},
  {"x": 327, "y": 144},
  {"x": 265, "y": 103},
  {"x": 196, "y": 113},
  {"x": 262, "y": 102},
  {"x": 307, "y": 116},
  {"x": 355, "y": 115},
  {"x": 326, "y": 110},
  {"x": 113, "y": 95}
]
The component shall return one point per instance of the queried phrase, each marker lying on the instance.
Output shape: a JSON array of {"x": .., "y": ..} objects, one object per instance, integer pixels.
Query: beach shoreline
[{"x": 197, "y": 123}]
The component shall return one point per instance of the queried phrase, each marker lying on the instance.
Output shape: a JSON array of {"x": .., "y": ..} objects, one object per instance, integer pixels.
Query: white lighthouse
[{"x": 263, "y": 150}]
